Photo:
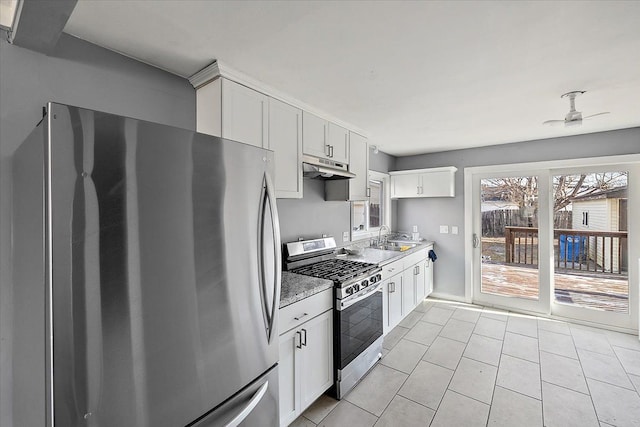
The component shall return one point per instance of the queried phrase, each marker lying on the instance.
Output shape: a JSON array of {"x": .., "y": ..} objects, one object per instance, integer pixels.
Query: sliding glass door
[
  {"x": 591, "y": 244},
  {"x": 507, "y": 219},
  {"x": 558, "y": 241}
]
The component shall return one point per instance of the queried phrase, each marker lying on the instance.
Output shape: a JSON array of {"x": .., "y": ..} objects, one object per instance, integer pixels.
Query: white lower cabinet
[
  {"x": 406, "y": 283},
  {"x": 428, "y": 277},
  {"x": 306, "y": 365},
  {"x": 392, "y": 302}
]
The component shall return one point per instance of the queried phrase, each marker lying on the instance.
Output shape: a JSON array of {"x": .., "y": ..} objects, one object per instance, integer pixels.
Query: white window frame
[
  {"x": 558, "y": 167},
  {"x": 386, "y": 209}
]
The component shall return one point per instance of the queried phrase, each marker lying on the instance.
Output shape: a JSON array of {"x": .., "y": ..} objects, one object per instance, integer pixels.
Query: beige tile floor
[{"x": 450, "y": 364}]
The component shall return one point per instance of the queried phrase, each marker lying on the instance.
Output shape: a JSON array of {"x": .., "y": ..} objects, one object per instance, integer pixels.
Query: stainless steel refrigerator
[{"x": 146, "y": 276}]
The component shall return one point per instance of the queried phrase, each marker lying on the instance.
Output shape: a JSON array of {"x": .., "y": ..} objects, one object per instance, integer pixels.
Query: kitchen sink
[
  {"x": 401, "y": 242},
  {"x": 394, "y": 246}
]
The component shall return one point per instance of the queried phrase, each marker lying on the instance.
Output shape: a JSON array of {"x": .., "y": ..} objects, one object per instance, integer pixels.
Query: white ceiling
[{"x": 418, "y": 77}]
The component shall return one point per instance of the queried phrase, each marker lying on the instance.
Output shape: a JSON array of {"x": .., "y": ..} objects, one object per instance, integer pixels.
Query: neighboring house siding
[
  {"x": 603, "y": 216},
  {"x": 598, "y": 214}
]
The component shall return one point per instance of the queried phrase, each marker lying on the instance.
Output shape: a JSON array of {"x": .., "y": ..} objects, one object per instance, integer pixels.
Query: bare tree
[{"x": 566, "y": 188}]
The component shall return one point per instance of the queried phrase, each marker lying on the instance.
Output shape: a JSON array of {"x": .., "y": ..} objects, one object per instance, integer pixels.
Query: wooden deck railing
[{"x": 596, "y": 251}]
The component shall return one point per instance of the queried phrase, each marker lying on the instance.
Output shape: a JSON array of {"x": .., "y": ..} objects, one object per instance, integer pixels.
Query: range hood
[{"x": 317, "y": 168}]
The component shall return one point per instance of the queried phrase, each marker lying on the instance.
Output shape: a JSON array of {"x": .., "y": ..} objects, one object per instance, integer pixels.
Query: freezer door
[
  {"x": 165, "y": 269},
  {"x": 256, "y": 405}
]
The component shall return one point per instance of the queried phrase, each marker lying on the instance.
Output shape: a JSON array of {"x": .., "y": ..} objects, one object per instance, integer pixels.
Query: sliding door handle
[{"x": 476, "y": 240}]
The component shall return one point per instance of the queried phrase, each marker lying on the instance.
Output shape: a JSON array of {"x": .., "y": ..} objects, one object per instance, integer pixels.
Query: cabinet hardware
[
  {"x": 476, "y": 241},
  {"x": 368, "y": 192},
  {"x": 331, "y": 150},
  {"x": 392, "y": 288},
  {"x": 327, "y": 150},
  {"x": 299, "y": 334},
  {"x": 300, "y": 317},
  {"x": 305, "y": 337}
]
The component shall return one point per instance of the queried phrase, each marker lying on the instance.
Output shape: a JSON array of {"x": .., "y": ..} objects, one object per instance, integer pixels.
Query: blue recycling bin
[{"x": 572, "y": 248}]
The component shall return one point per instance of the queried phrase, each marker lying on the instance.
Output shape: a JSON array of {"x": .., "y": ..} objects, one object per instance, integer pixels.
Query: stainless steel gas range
[{"x": 357, "y": 343}]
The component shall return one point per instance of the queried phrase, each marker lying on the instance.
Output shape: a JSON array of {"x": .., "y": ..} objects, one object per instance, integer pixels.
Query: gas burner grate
[{"x": 337, "y": 270}]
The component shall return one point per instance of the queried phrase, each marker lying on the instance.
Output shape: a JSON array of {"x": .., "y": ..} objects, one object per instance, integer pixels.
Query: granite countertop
[{"x": 296, "y": 287}]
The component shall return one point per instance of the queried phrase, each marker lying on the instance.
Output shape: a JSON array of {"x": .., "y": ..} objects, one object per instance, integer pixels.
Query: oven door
[{"x": 359, "y": 324}]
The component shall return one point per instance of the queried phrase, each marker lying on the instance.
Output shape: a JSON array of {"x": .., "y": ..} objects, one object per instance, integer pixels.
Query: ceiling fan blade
[
  {"x": 597, "y": 114},
  {"x": 553, "y": 122}
]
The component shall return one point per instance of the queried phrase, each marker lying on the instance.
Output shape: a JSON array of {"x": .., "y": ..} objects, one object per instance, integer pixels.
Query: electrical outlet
[
  {"x": 454, "y": 229},
  {"x": 345, "y": 236},
  {"x": 444, "y": 229}
]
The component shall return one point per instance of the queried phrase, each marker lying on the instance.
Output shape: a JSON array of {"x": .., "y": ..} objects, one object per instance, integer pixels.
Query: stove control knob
[
  {"x": 378, "y": 277},
  {"x": 373, "y": 279},
  {"x": 364, "y": 283},
  {"x": 349, "y": 291},
  {"x": 356, "y": 288}
]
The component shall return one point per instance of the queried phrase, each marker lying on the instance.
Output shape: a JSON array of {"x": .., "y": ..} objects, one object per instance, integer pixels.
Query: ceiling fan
[{"x": 573, "y": 117}]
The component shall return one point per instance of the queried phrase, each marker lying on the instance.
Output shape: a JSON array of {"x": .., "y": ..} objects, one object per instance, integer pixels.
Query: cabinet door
[
  {"x": 288, "y": 368},
  {"x": 338, "y": 140},
  {"x": 285, "y": 139},
  {"x": 314, "y": 135},
  {"x": 354, "y": 188},
  {"x": 358, "y": 164},
  {"x": 394, "y": 300},
  {"x": 316, "y": 375},
  {"x": 408, "y": 290},
  {"x": 421, "y": 289},
  {"x": 437, "y": 184},
  {"x": 406, "y": 185},
  {"x": 244, "y": 114},
  {"x": 428, "y": 276}
]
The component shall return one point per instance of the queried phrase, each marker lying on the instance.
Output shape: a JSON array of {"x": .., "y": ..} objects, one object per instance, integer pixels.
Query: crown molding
[{"x": 220, "y": 69}]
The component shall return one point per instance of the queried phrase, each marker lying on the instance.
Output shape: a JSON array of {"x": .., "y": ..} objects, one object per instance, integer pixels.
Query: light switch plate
[
  {"x": 345, "y": 236},
  {"x": 454, "y": 229},
  {"x": 444, "y": 229}
]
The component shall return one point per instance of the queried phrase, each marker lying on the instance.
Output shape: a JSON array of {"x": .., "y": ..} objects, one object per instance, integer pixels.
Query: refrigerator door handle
[
  {"x": 250, "y": 406},
  {"x": 270, "y": 307}
]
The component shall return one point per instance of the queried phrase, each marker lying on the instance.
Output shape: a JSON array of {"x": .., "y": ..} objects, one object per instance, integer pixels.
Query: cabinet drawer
[
  {"x": 392, "y": 269},
  {"x": 297, "y": 313},
  {"x": 415, "y": 258}
]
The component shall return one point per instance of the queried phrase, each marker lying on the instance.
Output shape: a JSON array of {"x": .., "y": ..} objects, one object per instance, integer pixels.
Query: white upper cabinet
[
  {"x": 436, "y": 182},
  {"x": 285, "y": 139},
  {"x": 324, "y": 139},
  {"x": 245, "y": 114},
  {"x": 355, "y": 188},
  {"x": 314, "y": 136},
  {"x": 338, "y": 140},
  {"x": 233, "y": 111}
]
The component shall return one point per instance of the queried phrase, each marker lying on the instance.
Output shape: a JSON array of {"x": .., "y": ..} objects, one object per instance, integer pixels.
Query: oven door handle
[{"x": 348, "y": 302}]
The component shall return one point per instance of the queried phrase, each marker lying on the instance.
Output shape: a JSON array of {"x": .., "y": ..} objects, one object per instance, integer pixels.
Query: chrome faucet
[{"x": 380, "y": 232}]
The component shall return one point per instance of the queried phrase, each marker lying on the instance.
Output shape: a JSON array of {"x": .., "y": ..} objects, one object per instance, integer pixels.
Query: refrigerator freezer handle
[{"x": 250, "y": 406}]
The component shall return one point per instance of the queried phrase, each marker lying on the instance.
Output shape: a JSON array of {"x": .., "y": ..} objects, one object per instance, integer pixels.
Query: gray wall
[
  {"x": 311, "y": 217},
  {"x": 81, "y": 74},
  {"x": 429, "y": 214},
  {"x": 381, "y": 162}
]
